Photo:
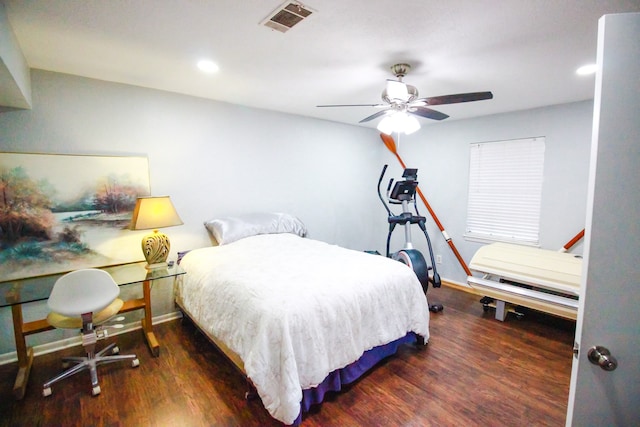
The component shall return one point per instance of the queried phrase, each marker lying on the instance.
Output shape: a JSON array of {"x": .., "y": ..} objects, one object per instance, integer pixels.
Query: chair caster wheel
[
  {"x": 135, "y": 363},
  {"x": 115, "y": 350},
  {"x": 96, "y": 390},
  {"x": 436, "y": 308},
  {"x": 46, "y": 392}
]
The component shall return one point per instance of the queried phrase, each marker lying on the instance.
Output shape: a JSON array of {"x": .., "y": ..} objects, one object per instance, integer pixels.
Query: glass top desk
[{"x": 15, "y": 293}]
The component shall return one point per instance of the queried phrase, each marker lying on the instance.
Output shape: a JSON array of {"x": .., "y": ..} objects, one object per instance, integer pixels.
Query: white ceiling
[{"x": 524, "y": 51}]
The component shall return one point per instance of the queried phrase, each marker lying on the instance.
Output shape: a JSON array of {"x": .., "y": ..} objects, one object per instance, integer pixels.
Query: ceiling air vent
[{"x": 286, "y": 16}]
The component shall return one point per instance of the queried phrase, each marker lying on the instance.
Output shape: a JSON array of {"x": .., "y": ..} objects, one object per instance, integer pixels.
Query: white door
[{"x": 609, "y": 312}]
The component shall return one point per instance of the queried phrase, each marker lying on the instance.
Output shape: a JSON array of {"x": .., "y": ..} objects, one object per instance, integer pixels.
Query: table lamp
[{"x": 152, "y": 213}]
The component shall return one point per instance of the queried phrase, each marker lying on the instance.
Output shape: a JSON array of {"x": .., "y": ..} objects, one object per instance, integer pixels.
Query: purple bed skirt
[{"x": 336, "y": 379}]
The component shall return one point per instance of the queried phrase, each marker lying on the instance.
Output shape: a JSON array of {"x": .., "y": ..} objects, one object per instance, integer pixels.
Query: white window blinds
[{"x": 505, "y": 190}]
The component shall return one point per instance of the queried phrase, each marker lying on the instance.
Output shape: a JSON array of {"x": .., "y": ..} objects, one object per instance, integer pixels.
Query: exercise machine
[{"x": 403, "y": 193}]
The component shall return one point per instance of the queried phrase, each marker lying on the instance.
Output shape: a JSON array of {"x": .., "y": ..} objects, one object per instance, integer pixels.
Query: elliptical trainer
[{"x": 402, "y": 194}]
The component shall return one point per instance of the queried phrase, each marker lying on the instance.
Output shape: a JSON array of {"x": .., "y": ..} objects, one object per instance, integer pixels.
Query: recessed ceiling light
[
  {"x": 208, "y": 66},
  {"x": 585, "y": 70}
]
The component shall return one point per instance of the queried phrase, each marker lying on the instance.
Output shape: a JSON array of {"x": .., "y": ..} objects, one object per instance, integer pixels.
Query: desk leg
[
  {"x": 147, "y": 324},
  {"x": 25, "y": 355}
]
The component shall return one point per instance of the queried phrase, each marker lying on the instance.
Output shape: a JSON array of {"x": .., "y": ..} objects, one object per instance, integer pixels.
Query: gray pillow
[{"x": 232, "y": 228}]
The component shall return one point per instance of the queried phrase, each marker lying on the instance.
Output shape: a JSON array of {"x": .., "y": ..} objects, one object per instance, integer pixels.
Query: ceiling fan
[{"x": 401, "y": 104}]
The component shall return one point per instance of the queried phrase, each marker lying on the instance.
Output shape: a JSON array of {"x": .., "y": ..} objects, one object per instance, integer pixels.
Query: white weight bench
[{"x": 540, "y": 279}]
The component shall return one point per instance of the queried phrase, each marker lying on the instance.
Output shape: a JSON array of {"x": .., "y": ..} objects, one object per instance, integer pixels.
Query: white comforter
[{"x": 296, "y": 309}]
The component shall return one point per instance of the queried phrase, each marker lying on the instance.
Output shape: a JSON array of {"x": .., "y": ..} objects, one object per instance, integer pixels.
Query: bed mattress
[{"x": 295, "y": 309}]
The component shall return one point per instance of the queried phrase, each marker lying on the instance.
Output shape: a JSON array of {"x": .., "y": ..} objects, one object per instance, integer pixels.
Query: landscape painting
[{"x": 61, "y": 212}]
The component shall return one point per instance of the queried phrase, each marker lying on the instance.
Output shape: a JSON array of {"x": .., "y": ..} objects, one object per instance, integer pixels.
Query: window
[{"x": 505, "y": 189}]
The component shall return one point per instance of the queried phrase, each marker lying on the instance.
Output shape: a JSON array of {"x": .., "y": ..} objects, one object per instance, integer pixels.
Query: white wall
[{"x": 216, "y": 159}]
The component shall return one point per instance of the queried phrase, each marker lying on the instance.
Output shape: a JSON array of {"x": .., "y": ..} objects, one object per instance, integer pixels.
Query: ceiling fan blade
[
  {"x": 428, "y": 113},
  {"x": 455, "y": 99},
  {"x": 375, "y": 115},
  {"x": 353, "y": 105}
]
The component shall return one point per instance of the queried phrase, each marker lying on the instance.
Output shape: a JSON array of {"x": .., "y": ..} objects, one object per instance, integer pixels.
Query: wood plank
[
  {"x": 132, "y": 304},
  {"x": 36, "y": 326},
  {"x": 22, "y": 377}
]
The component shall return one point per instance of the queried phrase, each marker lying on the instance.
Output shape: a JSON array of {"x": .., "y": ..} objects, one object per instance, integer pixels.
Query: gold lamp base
[{"x": 155, "y": 247}]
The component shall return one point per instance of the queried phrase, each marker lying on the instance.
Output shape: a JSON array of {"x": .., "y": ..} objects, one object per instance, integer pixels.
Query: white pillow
[{"x": 230, "y": 229}]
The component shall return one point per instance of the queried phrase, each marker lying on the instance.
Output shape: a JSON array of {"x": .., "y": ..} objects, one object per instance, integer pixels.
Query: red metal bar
[{"x": 573, "y": 241}]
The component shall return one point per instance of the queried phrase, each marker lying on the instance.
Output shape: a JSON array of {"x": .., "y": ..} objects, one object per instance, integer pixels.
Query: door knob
[{"x": 602, "y": 356}]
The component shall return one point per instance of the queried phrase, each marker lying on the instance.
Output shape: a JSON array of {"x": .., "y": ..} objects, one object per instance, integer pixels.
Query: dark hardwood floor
[{"x": 475, "y": 371}]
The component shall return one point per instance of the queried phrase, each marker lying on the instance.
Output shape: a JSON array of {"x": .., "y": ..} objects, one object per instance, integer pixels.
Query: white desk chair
[{"x": 80, "y": 300}]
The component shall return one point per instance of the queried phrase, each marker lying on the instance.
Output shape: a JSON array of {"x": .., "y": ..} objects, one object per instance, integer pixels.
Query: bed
[
  {"x": 537, "y": 278},
  {"x": 298, "y": 316}
]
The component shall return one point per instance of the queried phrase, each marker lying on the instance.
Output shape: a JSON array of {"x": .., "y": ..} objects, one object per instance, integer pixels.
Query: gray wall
[{"x": 216, "y": 159}]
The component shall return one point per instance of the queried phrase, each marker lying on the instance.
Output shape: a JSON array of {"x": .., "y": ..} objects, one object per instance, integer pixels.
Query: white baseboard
[{"x": 77, "y": 341}]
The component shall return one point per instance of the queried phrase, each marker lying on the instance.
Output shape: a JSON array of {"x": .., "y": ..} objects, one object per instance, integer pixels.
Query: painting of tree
[
  {"x": 24, "y": 207},
  {"x": 63, "y": 212}
]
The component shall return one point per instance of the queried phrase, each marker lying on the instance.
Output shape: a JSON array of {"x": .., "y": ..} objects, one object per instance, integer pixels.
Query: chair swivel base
[{"x": 90, "y": 362}]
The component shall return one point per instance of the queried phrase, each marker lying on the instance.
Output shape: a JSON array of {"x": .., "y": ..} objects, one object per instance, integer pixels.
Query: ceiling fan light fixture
[
  {"x": 387, "y": 125},
  {"x": 399, "y": 122},
  {"x": 410, "y": 124},
  {"x": 397, "y": 90}
]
